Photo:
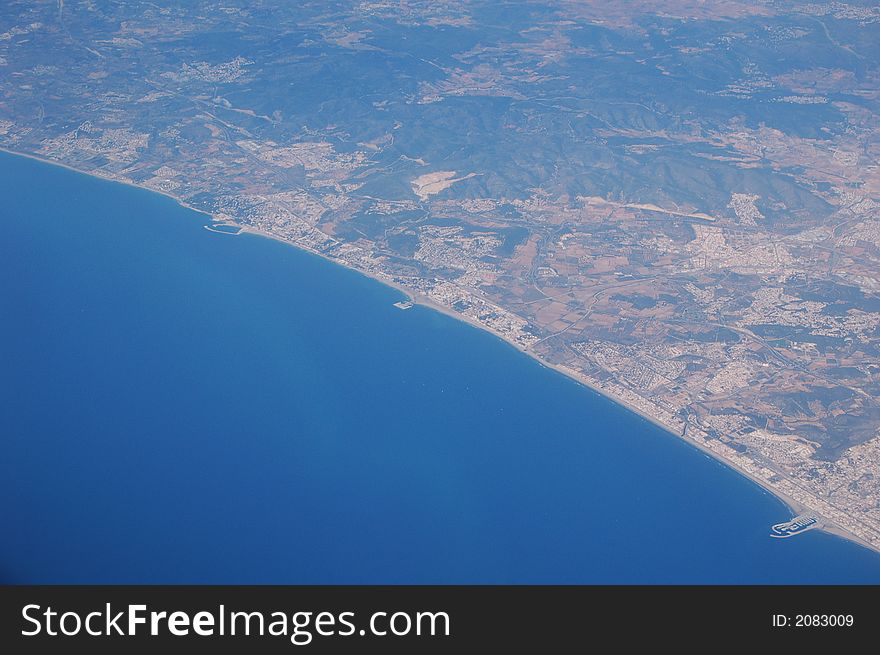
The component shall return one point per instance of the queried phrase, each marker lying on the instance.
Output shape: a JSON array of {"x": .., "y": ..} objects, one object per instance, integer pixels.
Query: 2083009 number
[{"x": 823, "y": 620}]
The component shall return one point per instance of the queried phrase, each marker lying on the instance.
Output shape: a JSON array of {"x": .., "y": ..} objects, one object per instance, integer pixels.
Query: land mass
[{"x": 675, "y": 203}]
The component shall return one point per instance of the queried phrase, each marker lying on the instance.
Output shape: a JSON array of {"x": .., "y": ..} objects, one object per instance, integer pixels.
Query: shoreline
[
  {"x": 793, "y": 506},
  {"x": 113, "y": 180}
]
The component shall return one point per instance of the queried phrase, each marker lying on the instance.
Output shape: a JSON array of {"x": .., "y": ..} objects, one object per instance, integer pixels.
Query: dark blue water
[{"x": 182, "y": 406}]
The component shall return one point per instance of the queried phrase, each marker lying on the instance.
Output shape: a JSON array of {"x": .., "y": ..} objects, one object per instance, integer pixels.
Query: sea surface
[{"x": 183, "y": 406}]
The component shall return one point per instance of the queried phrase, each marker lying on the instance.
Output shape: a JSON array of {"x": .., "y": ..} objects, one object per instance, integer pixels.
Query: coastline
[
  {"x": 61, "y": 164},
  {"x": 794, "y": 507}
]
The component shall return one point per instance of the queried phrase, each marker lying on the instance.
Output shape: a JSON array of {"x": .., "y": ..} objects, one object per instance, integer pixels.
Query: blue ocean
[{"x": 184, "y": 406}]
